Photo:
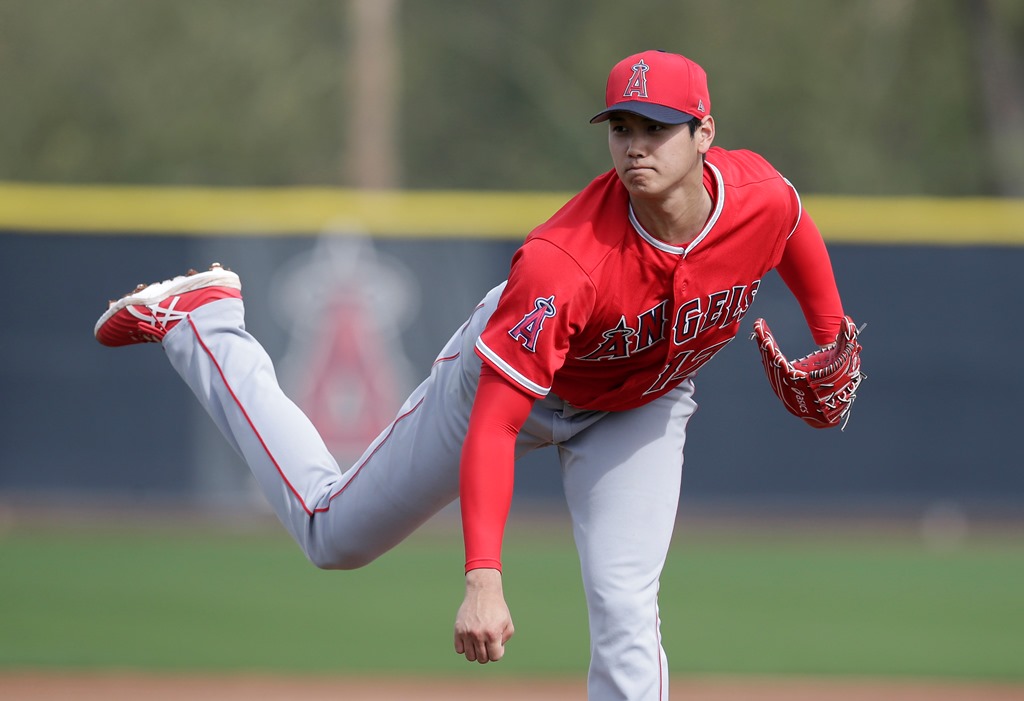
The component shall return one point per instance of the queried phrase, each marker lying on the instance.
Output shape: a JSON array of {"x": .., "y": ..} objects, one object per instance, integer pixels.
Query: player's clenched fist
[{"x": 483, "y": 624}]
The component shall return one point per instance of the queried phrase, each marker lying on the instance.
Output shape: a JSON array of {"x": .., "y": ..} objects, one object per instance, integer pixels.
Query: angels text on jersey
[{"x": 647, "y": 329}]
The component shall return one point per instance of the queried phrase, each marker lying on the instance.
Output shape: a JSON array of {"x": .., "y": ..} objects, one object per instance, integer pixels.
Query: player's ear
[{"x": 705, "y": 134}]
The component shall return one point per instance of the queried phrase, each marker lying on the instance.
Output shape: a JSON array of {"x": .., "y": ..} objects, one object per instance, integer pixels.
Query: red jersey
[{"x": 608, "y": 317}]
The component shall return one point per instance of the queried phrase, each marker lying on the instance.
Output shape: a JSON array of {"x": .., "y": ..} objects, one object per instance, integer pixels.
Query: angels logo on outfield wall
[{"x": 344, "y": 305}]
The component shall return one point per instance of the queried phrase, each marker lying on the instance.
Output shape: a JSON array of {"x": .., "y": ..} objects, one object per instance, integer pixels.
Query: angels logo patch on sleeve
[{"x": 527, "y": 331}]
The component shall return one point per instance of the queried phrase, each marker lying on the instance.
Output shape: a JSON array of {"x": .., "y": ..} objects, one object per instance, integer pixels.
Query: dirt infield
[{"x": 122, "y": 687}]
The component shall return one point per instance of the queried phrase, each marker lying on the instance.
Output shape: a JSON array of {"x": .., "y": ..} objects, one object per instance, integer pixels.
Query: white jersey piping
[
  {"x": 683, "y": 250},
  {"x": 509, "y": 370}
]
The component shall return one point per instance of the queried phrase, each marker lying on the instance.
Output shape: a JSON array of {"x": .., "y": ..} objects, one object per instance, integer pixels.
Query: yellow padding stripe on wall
[{"x": 70, "y": 209}]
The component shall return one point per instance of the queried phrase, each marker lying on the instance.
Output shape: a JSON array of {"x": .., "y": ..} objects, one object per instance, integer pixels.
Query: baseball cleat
[{"x": 146, "y": 314}]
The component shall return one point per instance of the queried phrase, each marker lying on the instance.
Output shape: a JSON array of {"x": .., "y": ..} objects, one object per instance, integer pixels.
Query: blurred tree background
[{"x": 843, "y": 96}]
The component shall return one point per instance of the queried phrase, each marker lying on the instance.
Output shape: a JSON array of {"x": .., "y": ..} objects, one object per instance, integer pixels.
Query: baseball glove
[{"x": 820, "y": 387}]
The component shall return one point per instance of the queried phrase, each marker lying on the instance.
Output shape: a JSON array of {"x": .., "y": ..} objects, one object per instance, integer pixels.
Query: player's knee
[
  {"x": 613, "y": 607},
  {"x": 328, "y": 549},
  {"x": 339, "y": 559}
]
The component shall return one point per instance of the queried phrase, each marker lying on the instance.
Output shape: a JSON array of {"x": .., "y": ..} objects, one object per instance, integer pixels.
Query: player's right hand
[{"x": 483, "y": 624}]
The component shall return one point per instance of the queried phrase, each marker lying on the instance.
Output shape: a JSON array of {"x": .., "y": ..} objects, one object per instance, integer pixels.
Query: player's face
[{"x": 652, "y": 159}]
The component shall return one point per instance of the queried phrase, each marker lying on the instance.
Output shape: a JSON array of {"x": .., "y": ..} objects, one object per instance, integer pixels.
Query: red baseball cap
[{"x": 665, "y": 87}]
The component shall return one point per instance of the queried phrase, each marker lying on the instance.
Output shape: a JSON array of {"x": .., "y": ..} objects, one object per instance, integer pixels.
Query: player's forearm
[
  {"x": 487, "y": 467},
  {"x": 807, "y": 271}
]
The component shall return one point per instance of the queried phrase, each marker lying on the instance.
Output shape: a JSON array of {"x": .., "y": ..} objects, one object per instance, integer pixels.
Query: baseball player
[{"x": 591, "y": 345}]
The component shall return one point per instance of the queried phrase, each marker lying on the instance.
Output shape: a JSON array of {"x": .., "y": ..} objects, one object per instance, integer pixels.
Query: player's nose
[{"x": 636, "y": 148}]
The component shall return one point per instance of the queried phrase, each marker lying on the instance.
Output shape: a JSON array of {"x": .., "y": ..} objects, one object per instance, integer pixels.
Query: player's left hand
[
  {"x": 820, "y": 387},
  {"x": 483, "y": 624}
]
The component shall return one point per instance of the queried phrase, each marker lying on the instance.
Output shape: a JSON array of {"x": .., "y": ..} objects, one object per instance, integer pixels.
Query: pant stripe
[
  {"x": 241, "y": 408},
  {"x": 363, "y": 464}
]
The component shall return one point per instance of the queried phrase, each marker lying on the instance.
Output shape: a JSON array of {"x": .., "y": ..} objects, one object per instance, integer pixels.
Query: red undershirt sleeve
[
  {"x": 486, "y": 473},
  {"x": 807, "y": 271}
]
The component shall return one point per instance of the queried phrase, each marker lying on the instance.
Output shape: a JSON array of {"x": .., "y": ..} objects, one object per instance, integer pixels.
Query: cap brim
[{"x": 659, "y": 113}]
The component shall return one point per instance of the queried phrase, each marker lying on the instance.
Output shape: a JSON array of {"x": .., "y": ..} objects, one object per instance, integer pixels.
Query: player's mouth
[
  {"x": 636, "y": 167},
  {"x": 639, "y": 173}
]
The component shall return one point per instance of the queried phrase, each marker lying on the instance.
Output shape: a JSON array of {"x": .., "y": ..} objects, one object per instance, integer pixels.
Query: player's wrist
[
  {"x": 483, "y": 577},
  {"x": 487, "y": 563}
]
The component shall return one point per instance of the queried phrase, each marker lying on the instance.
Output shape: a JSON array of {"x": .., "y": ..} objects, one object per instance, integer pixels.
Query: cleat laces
[{"x": 158, "y": 322}]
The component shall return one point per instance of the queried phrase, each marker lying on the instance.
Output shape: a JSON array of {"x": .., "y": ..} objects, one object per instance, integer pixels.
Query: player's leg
[
  {"x": 341, "y": 520},
  {"x": 622, "y": 477}
]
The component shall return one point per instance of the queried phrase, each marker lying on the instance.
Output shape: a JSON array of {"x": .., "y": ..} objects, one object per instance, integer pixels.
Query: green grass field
[{"x": 206, "y": 600}]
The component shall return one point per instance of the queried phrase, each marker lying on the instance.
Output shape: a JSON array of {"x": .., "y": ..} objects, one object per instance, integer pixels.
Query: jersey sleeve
[
  {"x": 807, "y": 271},
  {"x": 486, "y": 471},
  {"x": 547, "y": 300}
]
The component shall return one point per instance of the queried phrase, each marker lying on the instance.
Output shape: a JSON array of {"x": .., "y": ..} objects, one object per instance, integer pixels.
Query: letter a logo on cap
[{"x": 637, "y": 85}]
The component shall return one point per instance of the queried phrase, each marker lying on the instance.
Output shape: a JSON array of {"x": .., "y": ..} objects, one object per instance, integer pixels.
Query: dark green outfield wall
[{"x": 938, "y": 419}]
